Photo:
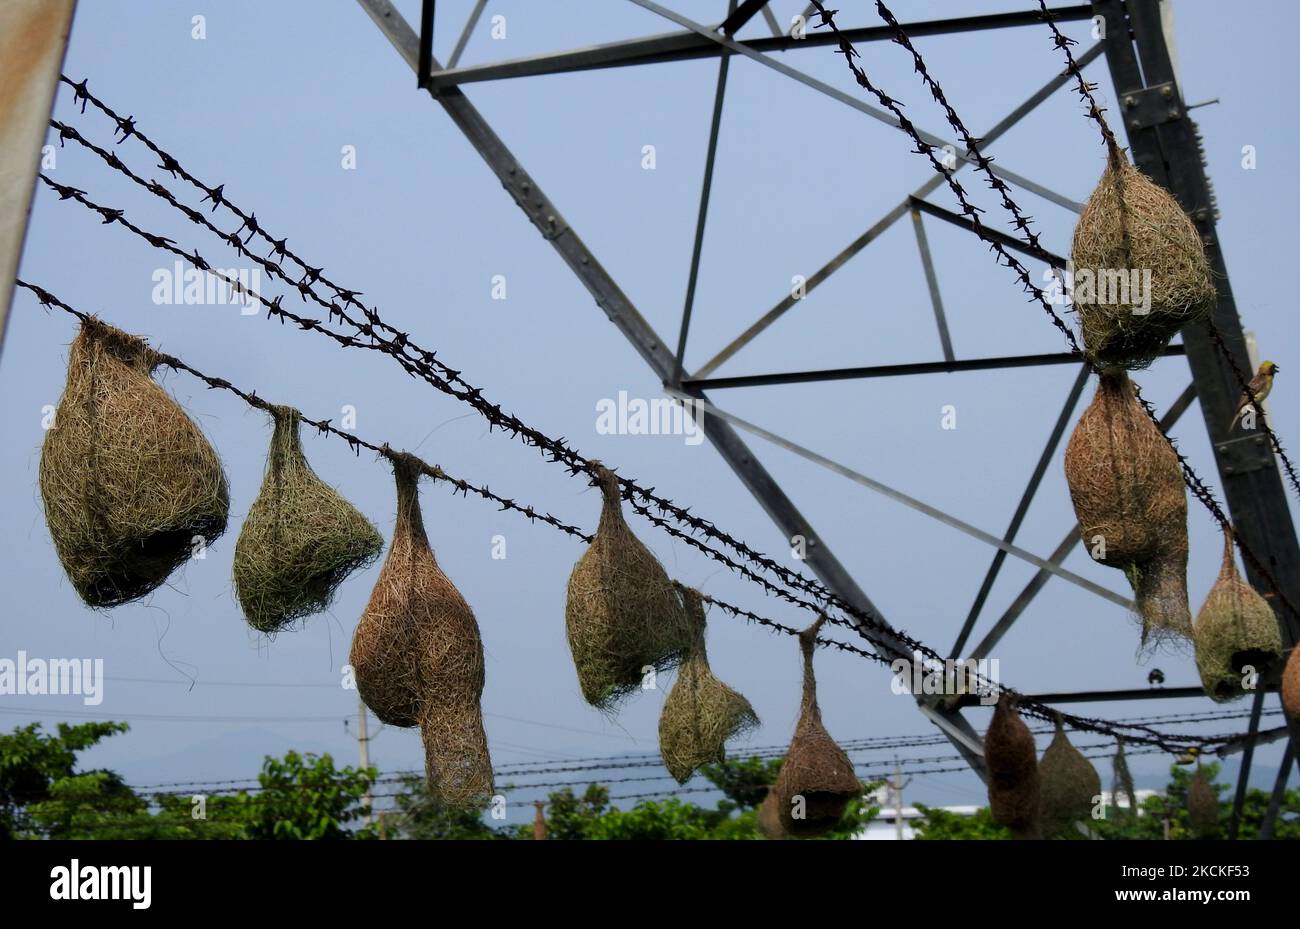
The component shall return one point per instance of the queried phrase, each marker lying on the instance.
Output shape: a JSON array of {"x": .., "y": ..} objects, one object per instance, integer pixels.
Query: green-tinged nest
[
  {"x": 1131, "y": 504},
  {"x": 1291, "y": 685},
  {"x": 1068, "y": 787},
  {"x": 418, "y": 658},
  {"x": 816, "y": 781},
  {"x": 1236, "y": 630},
  {"x": 769, "y": 819},
  {"x": 1202, "y": 806},
  {"x": 131, "y": 487},
  {"x": 701, "y": 713},
  {"x": 622, "y": 614},
  {"x": 1012, "y": 761},
  {"x": 1131, "y": 224},
  {"x": 300, "y": 540}
]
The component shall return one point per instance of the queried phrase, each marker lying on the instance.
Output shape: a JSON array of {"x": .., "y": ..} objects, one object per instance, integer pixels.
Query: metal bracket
[
  {"x": 1241, "y": 456},
  {"x": 1151, "y": 106},
  {"x": 533, "y": 202}
]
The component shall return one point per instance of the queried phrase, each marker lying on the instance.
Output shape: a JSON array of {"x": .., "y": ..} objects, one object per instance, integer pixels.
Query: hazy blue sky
[{"x": 265, "y": 105}]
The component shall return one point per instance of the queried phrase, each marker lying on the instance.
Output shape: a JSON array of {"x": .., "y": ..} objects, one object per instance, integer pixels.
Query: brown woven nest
[
  {"x": 701, "y": 713},
  {"x": 1012, "y": 761},
  {"x": 1131, "y": 504},
  {"x": 816, "y": 780},
  {"x": 1202, "y": 806},
  {"x": 131, "y": 487},
  {"x": 1291, "y": 685},
  {"x": 622, "y": 614},
  {"x": 300, "y": 540},
  {"x": 1235, "y": 629},
  {"x": 1122, "y": 785},
  {"x": 418, "y": 658},
  {"x": 1130, "y": 223},
  {"x": 1068, "y": 787}
]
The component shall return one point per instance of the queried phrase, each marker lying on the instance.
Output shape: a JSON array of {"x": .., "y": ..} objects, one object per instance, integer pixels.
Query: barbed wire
[
  {"x": 1194, "y": 482},
  {"x": 1097, "y": 114},
  {"x": 556, "y": 448},
  {"x": 47, "y": 299},
  {"x": 109, "y": 215},
  {"x": 449, "y": 381}
]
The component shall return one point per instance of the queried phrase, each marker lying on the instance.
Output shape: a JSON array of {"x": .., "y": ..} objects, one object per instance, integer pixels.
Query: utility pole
[
  {"x": 363, "y": 743},
  {"x": 539, "y": 820},
  {"x": 896, "y": 792}
]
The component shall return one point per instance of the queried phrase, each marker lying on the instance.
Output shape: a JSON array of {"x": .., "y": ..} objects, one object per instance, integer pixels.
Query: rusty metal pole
[{"x": 33, "y": 39}]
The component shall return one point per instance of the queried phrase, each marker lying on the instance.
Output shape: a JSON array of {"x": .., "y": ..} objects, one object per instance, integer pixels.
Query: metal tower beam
[
  {"x": 620, "y": 310},
  {"x": 686, "y": 45}
]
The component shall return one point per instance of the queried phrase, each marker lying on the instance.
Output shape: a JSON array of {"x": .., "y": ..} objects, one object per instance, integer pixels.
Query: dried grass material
[
  {"x": 1122, "y": 785},
  {"x": 701, "y": 712},
  {"x": 1202, "y": 806},
  {"x": 457, "y": 766},
  {"x": 300, "y": 540},
  {"x": 1235, "y": 628},
  {"x": 769, "y": 819},
  {"x": 1068, "y": 786},
  {"x": 1291, "y": 685},
  {"x": 1131, "y": 505},
  {"x": 1012, "y": 761},
  {"x": 1130, "y": 223},
  {"x": 131, "y": 487},
  {"x": 816, "y": 777},
  {"x": 418, "y": 658},
  {"x": 622, "y": 614}
]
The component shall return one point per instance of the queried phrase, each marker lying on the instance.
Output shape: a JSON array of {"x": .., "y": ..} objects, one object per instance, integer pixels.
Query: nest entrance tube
[
  {"x": 701, "y": 712},
  {"x": 816, "y": 781},
  {"x": 1131, "y": 504},
  {"x": 300, "y": 540},
  {"x": 1202, "y": 805},
  {"x": 623, "y": 616},
  {"x": 418, "y": 657},
  {"x": 1235, "y": 630},
  {"x": 131, "y": 487}
]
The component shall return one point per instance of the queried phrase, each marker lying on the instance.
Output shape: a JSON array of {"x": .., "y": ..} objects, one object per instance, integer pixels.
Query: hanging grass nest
[
  {"x": 1122, "y": 784},
  {"x": 418, "y": 657},
  {"x": 1202, "y": 806},
  {"x": 300, "y": 539},
  {"x": 131, "y": 487},
  {"x": 623, "y": 615},
  {"x": 1068, "y": 787},
  {"x": 1291, "y": 685},
  {"x": 1235, "y": 629},
  {"x": 1128, "y": 495},
  {"x": 701, "y": 713},
  {"x": 1012, "y": 761},
  {"x": 1128, "y": 225},
  {"x": 816, "y": 780}
]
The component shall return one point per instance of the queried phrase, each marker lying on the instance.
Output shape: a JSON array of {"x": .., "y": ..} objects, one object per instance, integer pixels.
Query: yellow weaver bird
[{"x": 1260, "y": 385}]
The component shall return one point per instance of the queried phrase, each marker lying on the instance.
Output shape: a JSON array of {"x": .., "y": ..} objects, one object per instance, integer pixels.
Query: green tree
[
  {"x": 945, "y": 824},
  {"x": 419, "y": 816},
  {"x": 305, "y": 797},
  {"x": 32, "y": 762}
]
